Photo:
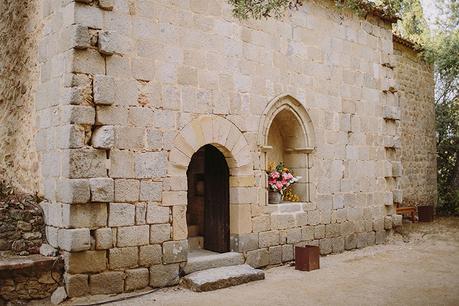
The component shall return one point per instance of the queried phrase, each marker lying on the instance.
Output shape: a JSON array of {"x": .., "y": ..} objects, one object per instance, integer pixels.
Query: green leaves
[{"x": 257, "y": 9}]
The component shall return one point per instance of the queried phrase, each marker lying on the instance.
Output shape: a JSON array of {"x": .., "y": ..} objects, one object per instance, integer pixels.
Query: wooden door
[{"x": 216, "y": 207}]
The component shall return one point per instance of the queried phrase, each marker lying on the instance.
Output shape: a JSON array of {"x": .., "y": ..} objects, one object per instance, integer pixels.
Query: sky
[{"x": 430, "y": 10}]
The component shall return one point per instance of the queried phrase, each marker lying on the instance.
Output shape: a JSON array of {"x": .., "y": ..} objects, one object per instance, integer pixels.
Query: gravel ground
[{"x": 419, "y": 267}]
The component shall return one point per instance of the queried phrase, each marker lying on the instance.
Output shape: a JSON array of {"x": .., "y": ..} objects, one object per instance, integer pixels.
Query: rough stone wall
[
  {"x": 131, "y": 89},
  {"x": 19, "y": 33},
  {"x": 418, "y": 140},
  {"x": 29, "y": 278},
  {"x": 22, "y": 226}
]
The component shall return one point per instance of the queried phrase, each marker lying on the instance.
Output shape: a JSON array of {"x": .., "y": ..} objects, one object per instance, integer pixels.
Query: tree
[
  {"x": 442, "y": 48},
  {"x": 257, "y": 9}
]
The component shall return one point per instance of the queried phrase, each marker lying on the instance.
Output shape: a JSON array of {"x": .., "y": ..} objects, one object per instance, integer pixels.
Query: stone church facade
[{"x": 126, "y": 95}]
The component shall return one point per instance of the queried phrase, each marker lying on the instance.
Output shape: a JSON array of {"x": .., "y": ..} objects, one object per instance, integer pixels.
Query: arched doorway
[{"x": 208, "y": 199}]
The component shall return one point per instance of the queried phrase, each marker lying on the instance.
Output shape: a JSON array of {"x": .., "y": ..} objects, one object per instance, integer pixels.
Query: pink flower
[
  {"x": 274, "y": 175},
  {"x": 279, "y": 185}
]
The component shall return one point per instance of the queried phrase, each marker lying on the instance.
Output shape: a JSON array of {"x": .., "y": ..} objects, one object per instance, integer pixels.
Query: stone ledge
[{"x": 32, "y": 262}]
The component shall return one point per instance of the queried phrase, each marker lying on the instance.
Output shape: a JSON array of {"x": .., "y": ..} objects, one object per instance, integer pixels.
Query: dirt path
[{"x": 421, "y": 268}]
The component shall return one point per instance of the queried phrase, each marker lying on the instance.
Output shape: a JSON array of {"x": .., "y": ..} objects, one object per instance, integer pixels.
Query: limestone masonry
[{"x": 113, "y": 127}]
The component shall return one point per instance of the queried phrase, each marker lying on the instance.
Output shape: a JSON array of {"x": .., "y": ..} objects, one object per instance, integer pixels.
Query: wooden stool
[{"x": 407, "y": 210}]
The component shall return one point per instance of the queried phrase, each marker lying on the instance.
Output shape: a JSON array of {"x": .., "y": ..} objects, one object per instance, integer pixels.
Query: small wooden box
[{"x": 307, "y": 258}]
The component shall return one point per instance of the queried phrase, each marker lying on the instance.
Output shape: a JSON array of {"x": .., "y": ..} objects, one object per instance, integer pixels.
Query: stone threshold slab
[
  {"x": 223, "y": 277},
  {"x": 199, "y": 260}
]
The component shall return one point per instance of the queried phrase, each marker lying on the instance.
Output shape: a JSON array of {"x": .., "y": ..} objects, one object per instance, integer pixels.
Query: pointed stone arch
[
  {"x": 290, "y": 103},
  {"x": 286, "y": 133}
]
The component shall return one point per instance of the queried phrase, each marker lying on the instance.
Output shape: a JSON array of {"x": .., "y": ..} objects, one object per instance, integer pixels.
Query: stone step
[
  {"x": 217, "y": 278},
  {"x": 195, "y": 243},
  {"x": 203, "y": 260}
]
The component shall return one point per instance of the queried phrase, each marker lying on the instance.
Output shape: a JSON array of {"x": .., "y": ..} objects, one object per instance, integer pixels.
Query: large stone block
[
  {"x": 319, "y": 231},
  {"x": 74, "y": 240},
  {"x": 164, "y": 275},
  {"x": 350, "y": 242},
  {"x": 111, "y": 115},
  {"x": 267, "y": 239},
  {"x": 77, "y": 114},
  {"x": 160, "y": 233},
  {"x": 102, "y": 189},
  {"x": 122, "y": 164},
  {"x": 150, "y": 191},
  {"x": 73, "y": 191},
  {"x": 261, "y": 223},
  {"x": 104, "y": 90},
  {"x": 121, "y": 214},
  {"x": 104, "y": 238},
  {"x": 90, "y": 216},
  {"x": 282, "y": 220},
  {"x": 325, "y": 246},
  {"x": 397, "y": 220},
  {"x": 397, "y": 169},
  {"x": 179, "y": 224},
  {"x": 150, "y": 255},
  {"x": 103, "y": 137},
  {"x": 85, "y": 262},
  {"x": 127, "y": 190},
  {"x": 287, "y": 252},
  {"x": 314, "y": 217},
  {"x": 240, "y": 220},
  {"x": 338, "y": 244},
  {"x": 301, "y": 218},
  {"x": 84, "y": 163},
  {"x": 398, "y": 196},
  {"x": 362, "y": 240},
  {"x": 380, "y": 237},
  {"x": 171, "y": 198},
  {"x": 157, "y": 214},
  {"x": 332, "y": 230},
  {"x": 150, "y": 165},
  {"x": 258, "y": 258},
  {"x": 77, "y": 36},
  {"x": 175, "y": 183},
  {"x": 140, "y": 213},
  {"x": 133, "y": 235},
  {"x": 275, "y": 255},
  {"x": 387, "y": 222},
  {"x": 51, "y": 236},
  {"x": 175, "y": 251},
  {"x": 106, "y": 283},
  {"x": 72, "y": 136},
  {"x": 121, "y": 258},
  {"x": 294, "y": 235},
  {"x": 130, "y": 137},
  {"x": 243, "y": 195},
  {"x": 76, "y": 284},
  {"x": 307, "y": 233},
  {"x": 378, "y": 225},
  {"x": 137, "y": 279},
  {"x": 244, "y": 242}
]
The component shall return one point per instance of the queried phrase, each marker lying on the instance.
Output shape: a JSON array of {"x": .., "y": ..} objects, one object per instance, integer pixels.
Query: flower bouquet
[{"x": 279, "y": 179}]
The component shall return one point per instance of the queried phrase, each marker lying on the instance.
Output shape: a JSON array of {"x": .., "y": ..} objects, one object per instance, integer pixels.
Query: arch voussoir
[{"x": 215, "y": 130}]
